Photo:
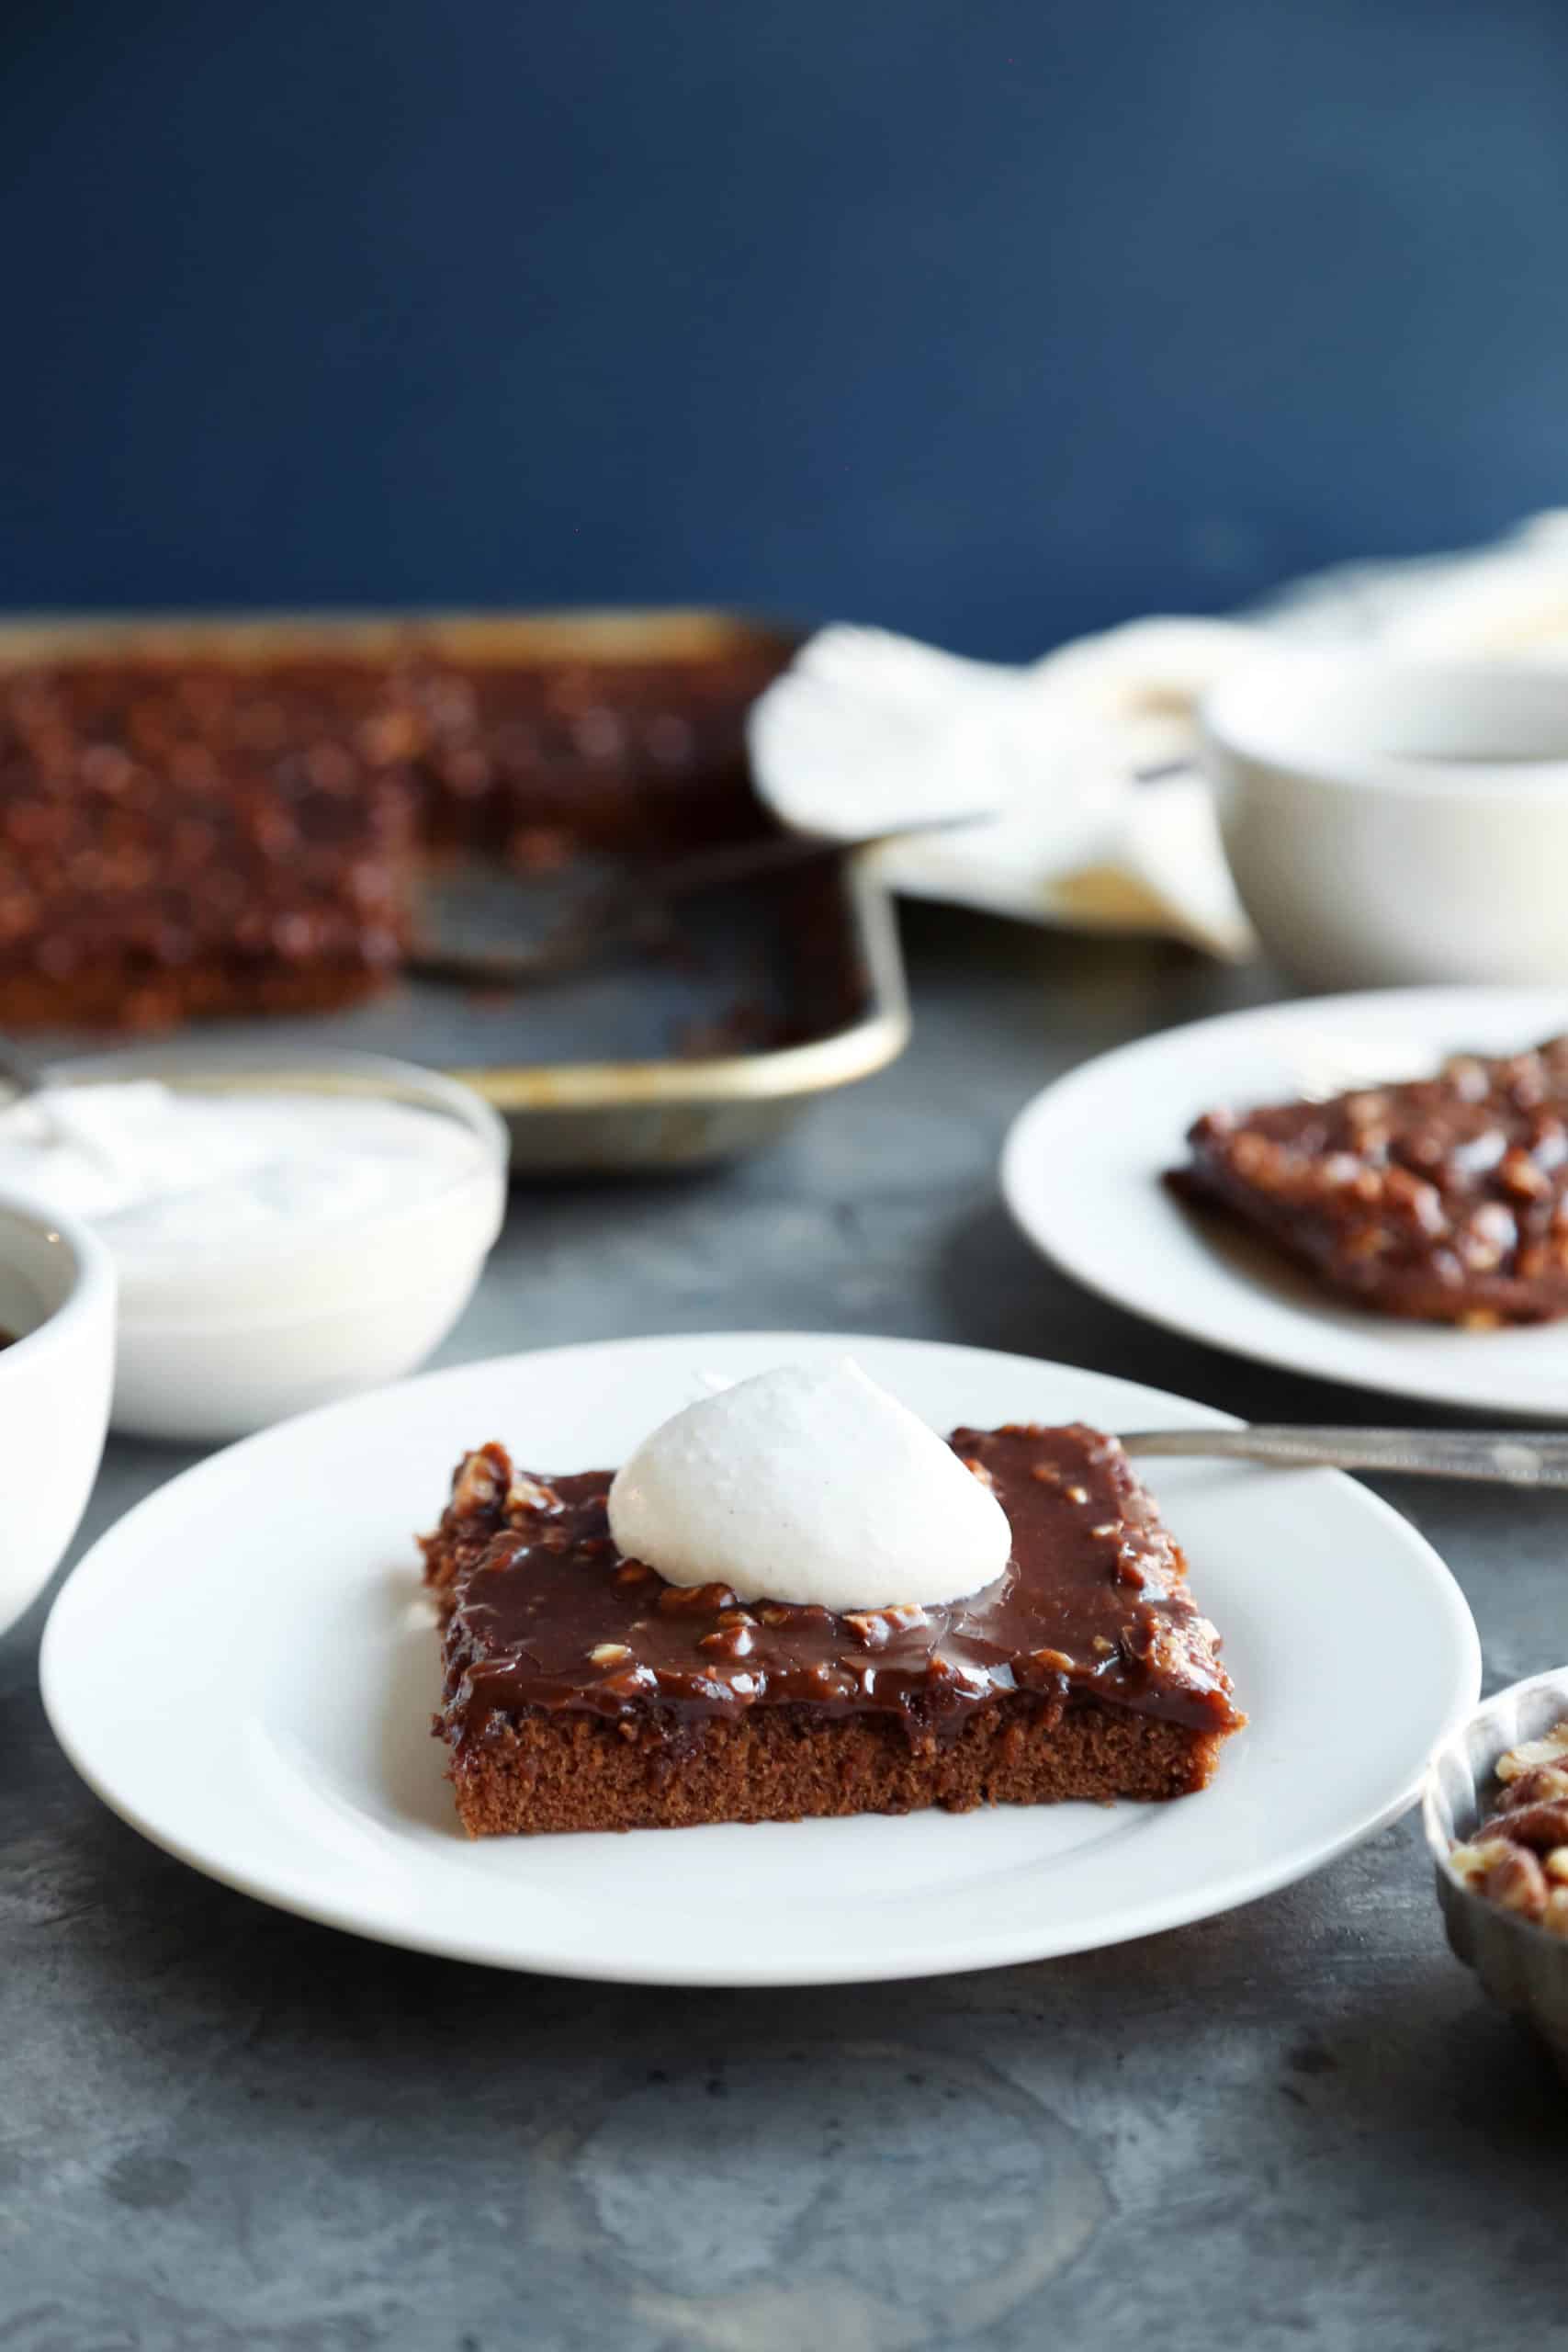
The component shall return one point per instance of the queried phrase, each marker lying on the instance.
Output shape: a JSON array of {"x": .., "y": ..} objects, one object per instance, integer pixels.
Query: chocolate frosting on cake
[
  {"x": 547, "y": 1614},
  {"x": 1444, "y": 1198}
]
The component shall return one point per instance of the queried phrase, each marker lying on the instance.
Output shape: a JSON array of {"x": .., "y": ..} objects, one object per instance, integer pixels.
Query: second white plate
[
  {"x": 1082, "y": 1166},
  {"x": 244, "y": 1669}
]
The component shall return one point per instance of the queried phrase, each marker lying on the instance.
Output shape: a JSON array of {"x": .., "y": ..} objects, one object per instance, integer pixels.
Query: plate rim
[
  {"x": 1018, "y": 1144},
  {"x": 1018, "y": 1946}
]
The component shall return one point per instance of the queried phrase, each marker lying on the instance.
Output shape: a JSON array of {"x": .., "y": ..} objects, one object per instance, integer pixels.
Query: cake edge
[{"x": 543, "y": 1773}]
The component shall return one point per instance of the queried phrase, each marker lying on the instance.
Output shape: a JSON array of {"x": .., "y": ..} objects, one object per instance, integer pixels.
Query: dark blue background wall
[{"x": 994, "y": 318}]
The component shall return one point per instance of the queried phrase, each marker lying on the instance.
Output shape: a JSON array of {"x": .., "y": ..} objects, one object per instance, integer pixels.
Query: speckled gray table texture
[{"x": 1298, "y": 2125}]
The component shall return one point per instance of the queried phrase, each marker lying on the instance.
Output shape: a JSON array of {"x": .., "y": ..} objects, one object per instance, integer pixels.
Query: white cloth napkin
[{"x": 1101, "y": 823}]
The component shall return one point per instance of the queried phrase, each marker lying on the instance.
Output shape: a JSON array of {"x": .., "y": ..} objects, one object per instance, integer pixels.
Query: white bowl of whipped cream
[{"x": 286, "y": 1230}]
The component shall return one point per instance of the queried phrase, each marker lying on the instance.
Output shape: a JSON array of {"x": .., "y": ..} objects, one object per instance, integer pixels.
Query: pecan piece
[
  {"x": 525, "y": 1494},
  {"x": 728, "y": 1641},
  {"x": 1517, "y": 1882},
  {"x": 1471, "y": 1861},
  {"x": 478, "y": 1480},
  {"x": 876, "y": 1627},
  {"x": 1538, "y": 1826},
  {"x": 952, "y": 1678},
  {"x": 694, "y": 1599},
  {"x": 1542, "y": 1784},
  {"x": 1552, "y": 1747},
  {"x": 632, "y": 1682}
]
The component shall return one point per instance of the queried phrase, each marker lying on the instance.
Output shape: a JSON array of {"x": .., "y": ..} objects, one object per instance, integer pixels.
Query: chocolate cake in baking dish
[{"x": 194, "y": 833}]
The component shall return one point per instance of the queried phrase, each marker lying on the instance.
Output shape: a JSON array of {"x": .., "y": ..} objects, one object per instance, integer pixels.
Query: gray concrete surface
[{"x": 1297, "y": 2125}]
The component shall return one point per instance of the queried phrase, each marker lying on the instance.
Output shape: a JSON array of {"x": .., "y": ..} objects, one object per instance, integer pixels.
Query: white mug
[
  {"x": 1389, "y": 820},
  {"x": 57, "y": 1310}
]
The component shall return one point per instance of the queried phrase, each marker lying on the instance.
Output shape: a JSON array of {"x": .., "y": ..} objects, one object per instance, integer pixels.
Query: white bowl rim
[
  {"x": 94, "y": 1280},
  {"x": 1228, "y": 723}
]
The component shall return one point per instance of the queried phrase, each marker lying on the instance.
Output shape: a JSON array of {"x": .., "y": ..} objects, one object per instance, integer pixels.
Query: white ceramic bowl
[
  {"x": 1394, "y": 820},
  {"x": 57, "y": 1298},
  {"x": 290, "y": 1325}
]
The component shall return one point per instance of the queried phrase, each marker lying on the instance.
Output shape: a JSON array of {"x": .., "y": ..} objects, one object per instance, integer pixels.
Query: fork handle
[{"x": 1496, "y": 1457}]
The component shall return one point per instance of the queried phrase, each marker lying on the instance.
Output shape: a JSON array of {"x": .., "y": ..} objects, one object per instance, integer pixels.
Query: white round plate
[
  {"x": 1082, "y": 1165},
  {"x": 244, "y": 1669}
]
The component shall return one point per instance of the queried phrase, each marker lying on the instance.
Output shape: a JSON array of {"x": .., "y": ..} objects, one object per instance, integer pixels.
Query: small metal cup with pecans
[{"x": 1497, "y": 1817}]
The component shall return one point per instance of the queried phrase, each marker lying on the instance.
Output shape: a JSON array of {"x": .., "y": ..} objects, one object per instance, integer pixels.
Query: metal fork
[{"x": 1494, "y": 1457}]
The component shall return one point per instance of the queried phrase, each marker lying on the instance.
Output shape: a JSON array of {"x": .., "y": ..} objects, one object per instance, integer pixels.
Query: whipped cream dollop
[
  {"x": 810, "y": 1488},
  {"x": 193, "y": 1178}
]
